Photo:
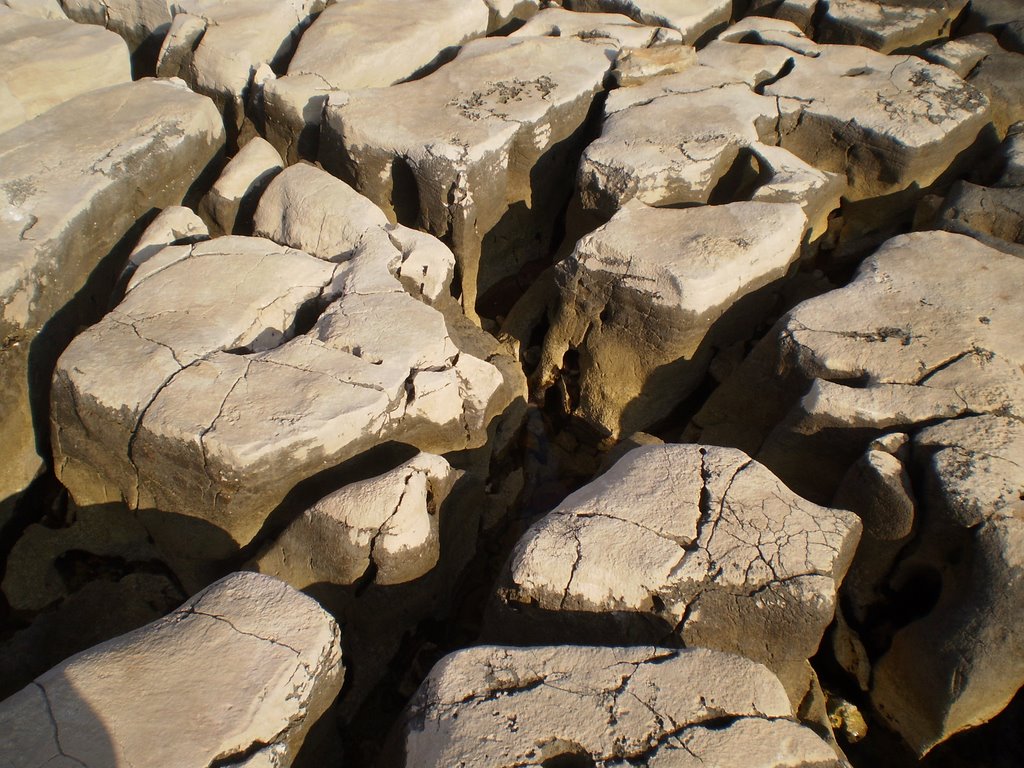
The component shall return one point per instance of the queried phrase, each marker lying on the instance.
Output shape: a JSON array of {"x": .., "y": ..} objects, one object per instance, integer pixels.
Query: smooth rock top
[
  {"x": 240, "y": 671},
  {"x": 502, "y": 707},
  {"x": 693, "y": 18}
]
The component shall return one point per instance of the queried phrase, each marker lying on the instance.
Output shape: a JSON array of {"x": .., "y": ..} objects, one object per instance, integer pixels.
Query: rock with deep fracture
[
  {"x": 46, "y": 61},
  {"x": 77, "y": 180},
  {"x": 231, "y": 202},
  {"x": 598, "y": 27},
  {"x": 566, "y": 705},
  {"x": 239, "y": 673},
  {"x": 640, "y": 317},
  {"x": 691, "y": 544},
  {"x": 358, "y": 44},
  {"x": 477, "y": 152},
  {"x": 693, "y": 18}
]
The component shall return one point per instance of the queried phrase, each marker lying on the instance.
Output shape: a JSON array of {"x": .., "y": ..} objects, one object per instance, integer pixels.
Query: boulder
[
  {"x": 174, "y": 225},
  {"x": 257, "y": 660},
  {"x": 357, "y": 44},
  {"x": 1013, "y": 158},
  {"x": 475, "y": 153},
  {"x": 926, "y": 331},
  {"x": 695, "y": 19},
  {"x": 633, "y": 323},
  {"x": 1000, "y": 76},
  {"x": 43, "y": 9},
  {"x": 997, "y": 212},
  {"x": 567, "y": 705},
  {"x": 636, "y": 65},
  {"x": 142, "y": 23},
  {"x": 622, "y": 31},
  {"x": 77, "y": 180},
  {"x": 231, "y": 202},
  {"x": 686, "y": 544},
  {"x": 505, "y": 14},
  {"x": 962, "y": 54},
  {"x": 235, "y": 334},
  {"x": 46, "y": 61}
]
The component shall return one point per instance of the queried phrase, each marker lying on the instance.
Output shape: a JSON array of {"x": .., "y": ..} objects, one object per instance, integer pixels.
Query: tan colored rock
[
  {"x": 504, "y": 13},
  {"x": 697, "y": 542},
  {"x": 357, "y": 44},
  {"x": 989, "y": 214},
  {"x": 231, "y": 203},
  {"x": 1013, "y": 155},
  {"x": 142, "y": 23},
  {"x": 77, "y": 179},
  {"x": 693, "y": 18},
  {"x": 43, "y": 9},
  {"x": 484, "y": 140},
  {"x": 260, "y": 661},
  {"x": 600, "y": 27},
  {"x": 174, "y": 225},
  {"x": 642, "y": 316},
  {"x": 504, "y": 707},
  {"x": 46, "y": 61},
  {"x": 635, "y": 65},
  {"x": 962, "y": 54},
  {"x": 999, "y": 76},
  {"x": 887, "y": 26}
]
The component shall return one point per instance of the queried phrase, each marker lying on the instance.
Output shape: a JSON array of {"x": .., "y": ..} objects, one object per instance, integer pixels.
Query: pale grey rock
[
  {"x": 181, "y": 40},
  {"x": 385, "y": 527},
  {"x": 46, "y": 61},
  {"x": 960, "y": 664},
  {"x": 77, "y": 179},
  {"x": 699, "y": 543},
  {"x": 1013, "y": 155},
  {"x": 599, "y": 27},
  {"x": 174, "y": 225},
  {"x": 504, "y": 13},
  {"x": 926, "y": 331},
  {"x": 258, "y": 659},
  {"x": 499, "y": 706},
  {"x": 962, "y": 54},
  {"x": 485, "y": 139},
  {"x": 142, "y": 23},
  {"x": 635, "y": 65},
  {"x": 357, "y": 44},
  {"x": 978, "y": 211},
  {"x": 770, "y": 31},
  {"x": 43, "y": 9},
  {"x": 1000, "y": 76},
  {"x": 642, "y": 315},
  {"x": 693, "y": 18},
  {"x": 231, "y": 202}
]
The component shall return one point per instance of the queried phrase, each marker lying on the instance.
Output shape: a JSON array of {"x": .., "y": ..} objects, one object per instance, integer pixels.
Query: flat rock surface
[
  {"x": 258, "y": 660},
  {"x": 693, "y": 18},
  {"x": 499, "y": 706}
]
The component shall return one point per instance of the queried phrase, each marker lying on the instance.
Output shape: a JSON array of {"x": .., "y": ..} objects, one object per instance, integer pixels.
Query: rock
[
  {"x": 43, "y": 9},
  {"x": 635, "y": 65},
  {"x": 640, "y": 319},
  {"x": 996, "y": 211},
  {"x": 174, "y": 225},
  {"x": 384, "y": 528},
  {"x": 1000, "y": 76},
  {"x": 886, "y": 26},
  {"x": 770, "y": 31},
  {"x": 924, "y": 332},
  {"x": 142, "y": 23},
  {"x": 887, "y": 123},
  {"x": 65, "y": 204},
  {"x": 695, "y": 19},
  {"x": 231, "y": 203},
  {"x": 235, "y": 331},
  {"x": 960, "y": 664},
  {"x": 743, "y": 565},
  {"x": 963, "y": 54},
  {"x": 46, "y": 61},
  {"x": 219, "y": 48},
  {"x": 359, "y": 44},
  {"x": 476, "y": 152},
  {"x": 261, "y": 661},
  {"x": 620, "y": 30},
  {"x": 506, "y": 13},
  {"x": 1013, "y": 154},
  {"x": 499, "y": 706}
]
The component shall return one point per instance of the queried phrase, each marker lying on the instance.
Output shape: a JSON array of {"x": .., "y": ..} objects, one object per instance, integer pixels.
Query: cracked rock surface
[
  {"x": 642, "y": 315},
  {"x": 259, "y": 660},
  {"x": 62, "y": 209},
  {"x": 471, "y": 146},
  {"x": 705, "y": 541},
  {"x": 501, "y": 706},
  {"x": 692, "y": 18}
]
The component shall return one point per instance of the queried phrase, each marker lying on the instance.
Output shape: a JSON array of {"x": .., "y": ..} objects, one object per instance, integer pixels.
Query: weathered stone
[
  {"x": 358, "y": 44},
  {"x": 694, "y": 19},
  {"x": 219, "y": 48},
  {"x": 599, "y": 27},
  {"x": 142, "y": 23},
  {"x": 44, "y": 62},
  {"x": 385, "y": 528},
  {"x": 43, "y": 9},
  {"x": 259, "y": 660},
  {"x": 504, "y": 707},
  {"x": 926, "y": 331},
  {"x": 484, "y": 140},
  {"x": 1013, "y": 157},
  {"x": 770, "y": 31},
  {"x": 635, "y": 65},
  {"x": 231, "y": 203},
  {"x": 506, "y": 13},
  {"x": 961, "y": 663},
  {"x": 699, "y": 543},
  {"x": 77, "y": 179},
  {"x": 174, "y": 225},
  {"x": 1000, "y": 76},
  {"x": 886, "y": 26},
  {"x": 996, "y": 211},
  {"x": 963, "y": 54},
  {"x": 642, "y": 316}
]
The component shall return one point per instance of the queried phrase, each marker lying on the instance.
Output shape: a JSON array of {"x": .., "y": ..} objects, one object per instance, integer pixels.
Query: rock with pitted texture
[
  {"x": 476, "y": 153},
  {"x": 698, "y": 545},
  {"x": 260, "y": 661},
  {"x": 639, "y": 318},
  {"x": 694, "y": 19},
  {"x": 552, "y": 705},
  {"x": 358, "y": 44},
  {"x": 77, "y": 179},
  {"x": 46, "y": 61},
  {"x": 599, "y": 27}
]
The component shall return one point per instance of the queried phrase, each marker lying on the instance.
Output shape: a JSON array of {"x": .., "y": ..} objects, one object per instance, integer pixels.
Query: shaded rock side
[
  {"x": 77, "y": 179},
  {"x": 614, "y": 707},
  {"x": 239, "y": 672},
  {"x": 690, "y": 544}
]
